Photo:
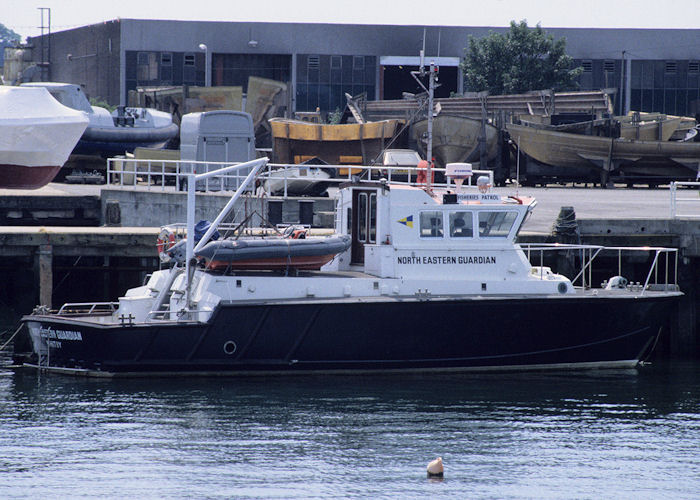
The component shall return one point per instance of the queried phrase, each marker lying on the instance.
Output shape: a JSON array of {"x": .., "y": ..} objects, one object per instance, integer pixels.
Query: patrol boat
[{"x": 432, "y": 281}]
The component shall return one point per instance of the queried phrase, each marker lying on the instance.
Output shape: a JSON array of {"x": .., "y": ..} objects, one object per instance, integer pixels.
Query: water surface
[{"x": 600, "y": 434}]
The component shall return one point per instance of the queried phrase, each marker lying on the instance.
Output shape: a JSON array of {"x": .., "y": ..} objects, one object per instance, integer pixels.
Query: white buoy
[{"x": 435, "y": 468}]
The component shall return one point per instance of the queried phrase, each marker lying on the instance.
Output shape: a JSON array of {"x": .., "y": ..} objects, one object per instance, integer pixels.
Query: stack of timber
[{"x": 533, "y": 103}]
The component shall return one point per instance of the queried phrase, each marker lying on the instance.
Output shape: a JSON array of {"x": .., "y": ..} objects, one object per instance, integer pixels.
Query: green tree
[
  {"x": 518, "y": 61},
  {"x": 7, "y": 36},
  {"x": 7, "y": 39}
]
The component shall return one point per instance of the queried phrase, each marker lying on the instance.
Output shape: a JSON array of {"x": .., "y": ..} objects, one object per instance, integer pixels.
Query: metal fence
[
  {"x": 275, "y": 178},
  {"x": 690, "y": 198}
]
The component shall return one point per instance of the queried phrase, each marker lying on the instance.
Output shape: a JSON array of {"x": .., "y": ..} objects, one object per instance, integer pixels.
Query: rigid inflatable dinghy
[{"x": 272, "y": 253}]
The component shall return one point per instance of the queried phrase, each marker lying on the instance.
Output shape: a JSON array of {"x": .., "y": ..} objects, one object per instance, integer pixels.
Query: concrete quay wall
[{"x": 158, "y": 208}]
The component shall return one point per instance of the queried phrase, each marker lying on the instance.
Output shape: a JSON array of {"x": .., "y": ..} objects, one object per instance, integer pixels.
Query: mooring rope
[{"x": 11, "y": 338}]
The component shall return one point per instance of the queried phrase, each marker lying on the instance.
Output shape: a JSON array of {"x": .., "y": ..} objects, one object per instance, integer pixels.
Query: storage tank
[{"x": 217, "y": 136}]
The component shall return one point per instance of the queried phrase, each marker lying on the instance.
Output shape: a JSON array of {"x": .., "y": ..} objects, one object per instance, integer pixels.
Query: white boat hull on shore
[{"x": 37, "y": 134}]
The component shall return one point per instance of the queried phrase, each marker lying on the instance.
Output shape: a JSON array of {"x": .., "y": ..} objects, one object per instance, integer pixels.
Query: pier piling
[{"x": 45, "y": 256}]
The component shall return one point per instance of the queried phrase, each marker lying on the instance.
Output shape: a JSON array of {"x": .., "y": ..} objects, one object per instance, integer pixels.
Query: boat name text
[
  {"x": 446, "y": 259},
  {"x": 50, "y": 333}
]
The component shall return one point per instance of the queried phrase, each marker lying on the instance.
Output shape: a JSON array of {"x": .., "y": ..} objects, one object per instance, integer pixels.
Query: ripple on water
[{"x": 599, "y": 434}]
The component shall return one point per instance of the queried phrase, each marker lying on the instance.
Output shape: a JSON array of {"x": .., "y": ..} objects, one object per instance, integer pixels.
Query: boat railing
[
  {"x": 661, "y": 275},
  {"x": 394, "y": 174},
  {"x": 88, "y": 308},
  {"x": 172, "y": 175},
  {"x": 677, "y": 199},
  {"x": 165, "y": 314}
]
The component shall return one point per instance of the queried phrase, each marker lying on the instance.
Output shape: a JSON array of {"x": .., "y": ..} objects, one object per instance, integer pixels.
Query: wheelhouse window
[
  {"x": 461, "y": 225},
  {"x": 373, "y": 218},
  {"x": 362, "y": 218},
  {"x": 431, "y": 225},
  {"x": 496, "y": 224}
]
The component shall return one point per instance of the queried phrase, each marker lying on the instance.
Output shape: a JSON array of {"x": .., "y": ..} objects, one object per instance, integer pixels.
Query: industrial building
[{"x": 652, "y": 69}]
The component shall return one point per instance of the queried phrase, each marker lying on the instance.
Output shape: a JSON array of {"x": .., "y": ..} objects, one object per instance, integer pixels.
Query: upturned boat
[
  {"x": 295, "y": 141},
  {"x": 604, "y": 157},
  {"x": 456, "y": 139},
  {"x": 37, "y": 134},
  {"x": 428, "y": 282}
]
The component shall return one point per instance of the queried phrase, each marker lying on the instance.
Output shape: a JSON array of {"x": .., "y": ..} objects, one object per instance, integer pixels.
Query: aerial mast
[{"x": 432, "y": 78}]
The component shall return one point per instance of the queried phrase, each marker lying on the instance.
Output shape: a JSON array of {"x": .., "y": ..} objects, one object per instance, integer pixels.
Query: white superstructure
[{"x": 405, "y": 243}]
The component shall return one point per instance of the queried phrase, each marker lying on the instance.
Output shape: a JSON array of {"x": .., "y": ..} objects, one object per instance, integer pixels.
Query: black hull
[
  {"x": 117, "y": 140},
  {"x": 389, "y": 335}
]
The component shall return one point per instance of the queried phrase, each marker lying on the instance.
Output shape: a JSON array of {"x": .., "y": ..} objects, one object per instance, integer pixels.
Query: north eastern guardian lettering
[
  {"x": 50, "y": 333},
  {"x": 481, "y": 259},
  {"x": 446, "y": 259}
]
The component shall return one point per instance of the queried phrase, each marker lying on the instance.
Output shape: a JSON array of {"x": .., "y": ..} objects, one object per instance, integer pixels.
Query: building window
[
  {"x": 314, "y": 62},
  {"x": 670, "y": 66},
  {"x": 324, "y": 84},
  {"x": 236, "y": 69},
  {"x": 189, "y": 59},
  {"x": 609, "y": 66},
  {"x": 587, "y": 66},
  {"x": 694, "y": 67},
  {"x": 358, "y": 62},
  {"x": 166, "y": 68},
  {"x": 146, "y": 67}
]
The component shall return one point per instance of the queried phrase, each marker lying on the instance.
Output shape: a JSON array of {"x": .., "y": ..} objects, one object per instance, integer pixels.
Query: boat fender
[{"x": 165, "y": 241}]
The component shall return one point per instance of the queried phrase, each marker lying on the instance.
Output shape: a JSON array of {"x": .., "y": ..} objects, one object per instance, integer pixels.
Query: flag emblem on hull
[{"x": 407, "y": 221}]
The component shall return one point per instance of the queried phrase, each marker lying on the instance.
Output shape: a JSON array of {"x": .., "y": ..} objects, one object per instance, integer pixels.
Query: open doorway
[
  {"x": 363, "y": 223},
  {"x": 397, "y": 79}
]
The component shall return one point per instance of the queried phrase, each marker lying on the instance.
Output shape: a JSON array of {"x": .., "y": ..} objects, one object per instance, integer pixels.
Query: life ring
[
  {"x": 295, "y": 233},
  {"x": 165, "y": 241}
]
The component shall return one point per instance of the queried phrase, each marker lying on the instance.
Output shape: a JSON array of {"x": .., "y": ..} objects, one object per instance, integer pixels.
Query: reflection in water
[{"x": 591, "y": 434}]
